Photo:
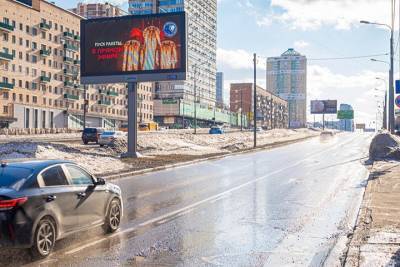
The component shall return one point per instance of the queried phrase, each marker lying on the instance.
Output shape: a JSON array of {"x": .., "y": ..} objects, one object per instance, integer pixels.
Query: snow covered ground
[{"x": 151, "y": 144}]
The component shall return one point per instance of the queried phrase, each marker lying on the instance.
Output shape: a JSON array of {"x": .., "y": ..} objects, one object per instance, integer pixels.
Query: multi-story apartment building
[
  {"x": 172, "y": 99},
  {"x": 39, "y": 72},
  {"x": 220, "y": 89},
  {"x": 287, "y": 78},
  {"x": 97, "y": 10},
  {"x": 272, "y": 111}
]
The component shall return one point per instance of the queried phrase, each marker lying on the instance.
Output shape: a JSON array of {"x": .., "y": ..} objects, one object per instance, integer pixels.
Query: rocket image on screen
[{"x": 151, "y": 49}]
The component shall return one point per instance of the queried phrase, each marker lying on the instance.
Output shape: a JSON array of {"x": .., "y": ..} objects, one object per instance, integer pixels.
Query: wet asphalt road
[{"x": 285, "y": 206}]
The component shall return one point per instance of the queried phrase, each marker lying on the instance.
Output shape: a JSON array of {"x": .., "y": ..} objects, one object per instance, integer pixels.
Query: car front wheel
[
  {"x": 113, "y": 217},
  {"x": 44, "y": 239}
]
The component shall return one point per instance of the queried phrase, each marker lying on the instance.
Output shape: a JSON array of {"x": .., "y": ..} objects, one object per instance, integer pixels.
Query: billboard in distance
[
  {"x": 323, "y": 106},
  {"x": 134, "y": 48}
]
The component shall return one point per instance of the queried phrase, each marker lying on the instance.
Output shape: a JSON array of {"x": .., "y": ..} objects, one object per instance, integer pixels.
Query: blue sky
[{"x": 317, "y": 29}]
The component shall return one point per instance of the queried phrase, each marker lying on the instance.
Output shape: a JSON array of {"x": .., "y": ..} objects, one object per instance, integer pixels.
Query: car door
[
  {"x": 59, "y": 197},
  {"x": 92, "y": 198}
]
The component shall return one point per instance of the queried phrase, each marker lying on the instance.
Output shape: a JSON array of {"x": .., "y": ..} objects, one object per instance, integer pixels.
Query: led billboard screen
[
  {"x": 134, "y": 48},
  {"x": 324, "y": 107}
]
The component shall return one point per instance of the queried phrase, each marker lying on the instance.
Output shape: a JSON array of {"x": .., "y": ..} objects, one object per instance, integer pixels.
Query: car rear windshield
[
  {"x": 10, "y": 176},
  {"x": 90, "y": 130}
]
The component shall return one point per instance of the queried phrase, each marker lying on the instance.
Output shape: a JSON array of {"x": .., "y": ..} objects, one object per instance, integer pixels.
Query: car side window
[
  {"x": 54, "y": 176},
  {"x": 79, "y": 176}
]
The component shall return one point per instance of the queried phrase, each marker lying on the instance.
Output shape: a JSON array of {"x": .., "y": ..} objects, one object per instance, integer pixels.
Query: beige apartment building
[
  {"x": 39, "y": 73},
  {"x": 97, "y": 10}
]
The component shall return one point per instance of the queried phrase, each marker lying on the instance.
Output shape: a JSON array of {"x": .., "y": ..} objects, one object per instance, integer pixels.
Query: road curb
[{"x": 191, "y": 162}]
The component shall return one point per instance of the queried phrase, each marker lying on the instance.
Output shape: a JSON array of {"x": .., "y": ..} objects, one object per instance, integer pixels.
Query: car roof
[{"x": 34, "y": 164}]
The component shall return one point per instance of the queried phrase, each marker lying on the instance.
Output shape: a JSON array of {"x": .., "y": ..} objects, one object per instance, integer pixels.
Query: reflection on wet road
[{"x": 285, "y": 206}]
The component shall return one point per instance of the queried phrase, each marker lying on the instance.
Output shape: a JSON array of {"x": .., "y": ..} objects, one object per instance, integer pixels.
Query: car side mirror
[{"x": 100, "y": 181}]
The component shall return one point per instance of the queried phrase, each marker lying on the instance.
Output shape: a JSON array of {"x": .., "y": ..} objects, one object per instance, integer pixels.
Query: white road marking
[{"x": 192, "y": 207}]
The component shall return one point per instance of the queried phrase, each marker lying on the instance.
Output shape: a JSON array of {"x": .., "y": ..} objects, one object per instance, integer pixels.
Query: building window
[
  {"x": 5, "y": 109},
  {"x": 5, "y": 95},
  {"x": 34, "y": 99}
]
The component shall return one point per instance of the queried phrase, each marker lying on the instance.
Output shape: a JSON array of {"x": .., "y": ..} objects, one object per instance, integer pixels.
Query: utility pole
[
  {"x": 195, "y": 99},
  {"x": 183, "y": 113},
  {"x": 241, "y": 109},
  {"x": 255, "y": 101}
]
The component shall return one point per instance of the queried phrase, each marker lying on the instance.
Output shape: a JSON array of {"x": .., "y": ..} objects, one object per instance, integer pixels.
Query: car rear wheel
[
  {"x": 113, "y": 218},
  {"x": 44, "y": 239}
]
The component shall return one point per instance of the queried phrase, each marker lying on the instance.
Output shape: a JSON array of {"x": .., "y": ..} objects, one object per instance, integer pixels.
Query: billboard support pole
[
  {"x": 84, "y": 106},
  {"x": 323, "y": 121},
  {"x": 132, "y": 121}
]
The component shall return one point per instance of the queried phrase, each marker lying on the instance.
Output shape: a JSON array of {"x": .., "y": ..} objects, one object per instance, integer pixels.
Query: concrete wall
[{"x": 43, "y": 114}]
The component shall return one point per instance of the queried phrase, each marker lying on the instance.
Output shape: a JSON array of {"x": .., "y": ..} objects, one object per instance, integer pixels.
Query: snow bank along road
[{"x": 285, "y": 206}]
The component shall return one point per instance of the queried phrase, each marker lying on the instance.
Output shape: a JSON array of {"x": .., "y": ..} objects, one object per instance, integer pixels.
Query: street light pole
[
  {"x": 391, "y": 79},
  {"x": 195, "y": 99},
  {"x": 391, "y": 87}
]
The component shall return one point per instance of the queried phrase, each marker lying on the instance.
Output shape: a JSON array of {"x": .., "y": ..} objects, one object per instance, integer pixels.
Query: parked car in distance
[
  {"x": 148, "y": 126},
  {"x": 91, "y": 135},
  {"x": 43, "y": 201},
  {"x": 259, "y": 129},
  {"x": 216, "y": 130},
  {"x": 108, "y": 138}
]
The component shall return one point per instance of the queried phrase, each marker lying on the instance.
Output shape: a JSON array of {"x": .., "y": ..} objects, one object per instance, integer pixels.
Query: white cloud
[
  {"x": 300, "y": 44},
  {"x": 237, "y": 59},
  {"x": 313, "y": 14}
]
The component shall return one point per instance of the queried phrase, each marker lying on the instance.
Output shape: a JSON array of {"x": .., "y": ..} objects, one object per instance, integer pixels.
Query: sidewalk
[{"x": 376, "y": 239}]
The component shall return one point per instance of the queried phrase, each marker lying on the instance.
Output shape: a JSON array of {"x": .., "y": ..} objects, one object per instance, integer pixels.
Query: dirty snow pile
[
  {"x": 385, "y": 146},
  {"x": 96, "y": 163},
  {"x": 165, "y": 143}
]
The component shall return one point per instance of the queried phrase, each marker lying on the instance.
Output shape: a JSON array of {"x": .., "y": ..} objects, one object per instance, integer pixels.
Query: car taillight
[{"x": 12, "y": 203}]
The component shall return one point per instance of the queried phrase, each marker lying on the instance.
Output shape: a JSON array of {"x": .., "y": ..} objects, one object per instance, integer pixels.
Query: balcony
[
  {"x": 79, "y": 87},
  {"x": 102, "y": 92},
  {"x": 68, "y": 72},
  {"x": 104, "y": 103},
  {"x": 45, "y": 53},
  {"x": 6, "y": 86},
  {"x": 71, "y": 97},
  {"x": 77, "y": 62},
  {"x": 44, "y": 26},
  {"x": 6, "y": 27},
  {"x": 44, "y": 79},
  {"x": 71, "y": 47},
  {"x": 112, "y": 93},
  {"x": 68, "y": 60},
  {"x": 68, "y": 35},
  {"x": 69, "y": 84},
  {"x": 77, "y": 38},
  {"x": 5, "y": 56}
]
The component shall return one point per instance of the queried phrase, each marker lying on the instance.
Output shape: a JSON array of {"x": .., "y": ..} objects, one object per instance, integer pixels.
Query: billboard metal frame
[{"x": 136, "y": 76}]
